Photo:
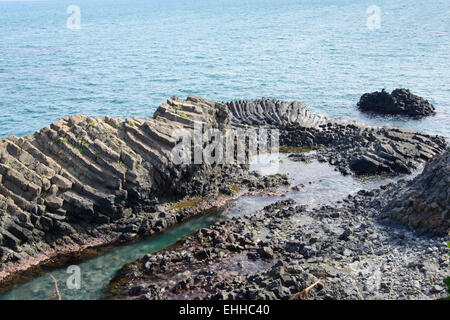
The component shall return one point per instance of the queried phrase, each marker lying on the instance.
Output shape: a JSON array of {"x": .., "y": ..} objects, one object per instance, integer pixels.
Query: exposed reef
[
  {"x": 85, "y": 182},
  {"x": 340, "y": 251},
  {"x": 346, "y": 250},
  {"x": 398, "y": 102}
]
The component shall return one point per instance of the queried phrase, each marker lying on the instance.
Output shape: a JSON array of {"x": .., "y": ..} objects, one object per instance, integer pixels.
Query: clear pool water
[{"x": 97, "y": 272}]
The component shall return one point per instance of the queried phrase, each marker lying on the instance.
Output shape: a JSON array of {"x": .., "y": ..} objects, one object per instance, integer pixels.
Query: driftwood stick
[
  {"x": 305, "y": 293},
  {"x": 57, "y": 293}
]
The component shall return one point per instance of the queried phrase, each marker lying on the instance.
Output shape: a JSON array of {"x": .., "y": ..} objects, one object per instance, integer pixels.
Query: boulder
[{"x": 398, "y": 102}]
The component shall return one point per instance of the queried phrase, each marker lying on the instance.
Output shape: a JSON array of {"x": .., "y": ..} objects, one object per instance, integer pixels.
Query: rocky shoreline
[
  {"x": 100, "y": 239},
  {"x": 90, "y": 182},
  {"x": 87, "y": 182},
  {"x": 355, "y": 249},
  {"x": 354, "y": 148}
]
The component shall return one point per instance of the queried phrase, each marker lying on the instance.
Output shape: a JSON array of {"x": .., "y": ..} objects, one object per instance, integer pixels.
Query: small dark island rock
[{"x": 399, "y": 102}]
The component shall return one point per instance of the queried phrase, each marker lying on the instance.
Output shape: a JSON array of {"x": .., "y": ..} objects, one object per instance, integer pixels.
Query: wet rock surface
[
  {"x": 361, "y": 150},
  {"x": 354, "y": 148},
  {"x": 344, "y": 251},
  {"x": 398, "y": 102}
]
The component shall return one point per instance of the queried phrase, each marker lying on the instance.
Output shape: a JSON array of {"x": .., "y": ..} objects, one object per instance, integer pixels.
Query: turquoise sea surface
[{"x": 130, "y": 56}]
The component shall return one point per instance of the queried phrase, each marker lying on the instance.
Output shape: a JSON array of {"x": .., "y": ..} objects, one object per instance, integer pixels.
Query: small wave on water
[{"x": 130, "y": 57}]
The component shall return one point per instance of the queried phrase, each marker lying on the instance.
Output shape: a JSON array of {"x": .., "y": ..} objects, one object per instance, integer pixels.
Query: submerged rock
[{"x": 399, "y": 102}]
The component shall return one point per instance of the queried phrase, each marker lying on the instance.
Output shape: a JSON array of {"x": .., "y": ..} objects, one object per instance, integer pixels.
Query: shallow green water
[
  {"x": 321, "y": 184},
  {"x": 97, "y": 272}
]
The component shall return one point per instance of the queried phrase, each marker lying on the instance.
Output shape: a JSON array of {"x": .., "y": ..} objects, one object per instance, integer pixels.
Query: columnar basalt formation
[
  {"x": 364, "y": 150},
  {"x": 351, "y": 146},
  {"x": 351, "y": 249},
  {"x": 273, "y": 112},
  {"x": 97, "y": 167},
  {"x": 337, "y": 251},
  {"x": 424, "y": 203},
  {"x": 89, "y": 166},
  {"x": 398, "y": 102}
]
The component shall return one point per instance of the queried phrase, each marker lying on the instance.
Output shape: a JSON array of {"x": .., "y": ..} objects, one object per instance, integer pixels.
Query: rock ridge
[{"x": 97, "y": 180}]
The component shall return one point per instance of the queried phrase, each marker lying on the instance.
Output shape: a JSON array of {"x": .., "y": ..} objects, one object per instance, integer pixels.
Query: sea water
[{"x": 129, "y": 56}]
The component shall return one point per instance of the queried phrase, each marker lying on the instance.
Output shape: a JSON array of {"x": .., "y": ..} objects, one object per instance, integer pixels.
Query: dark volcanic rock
[
  {"x": 399, "y": 102},
  {"x": 424, "y": 203},
  {"x": 342, "y": 251},
  {"x": 351, "y": 146},
  {"x": 273, "y": 112},
  {"x": 86, "y": 181},
  {"x": 364, "y": 165},
  {"x": 95, "y": 181},
  {"x": 350, "y": 256},
  {"x": 355, "y": 148}
]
